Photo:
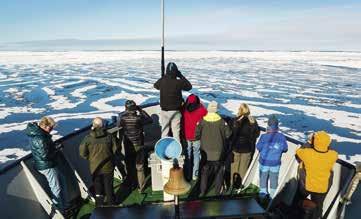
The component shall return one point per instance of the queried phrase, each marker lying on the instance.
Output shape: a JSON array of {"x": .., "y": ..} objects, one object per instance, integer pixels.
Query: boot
[{"x": 99, "y": 200}]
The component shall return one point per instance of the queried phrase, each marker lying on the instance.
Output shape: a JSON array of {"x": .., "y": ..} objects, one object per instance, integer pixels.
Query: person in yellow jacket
[{"x": 317, "y": 162}]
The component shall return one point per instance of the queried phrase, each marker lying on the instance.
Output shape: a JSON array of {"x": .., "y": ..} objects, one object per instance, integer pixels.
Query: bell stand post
[{"x": 176, "y": 196}]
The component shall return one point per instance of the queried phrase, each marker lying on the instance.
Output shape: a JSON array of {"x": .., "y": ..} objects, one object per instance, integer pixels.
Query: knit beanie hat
[
  {"x": 272, "y": 123},
  {"x": 212, "y": 107},
  {"x": 172, "y": 69},
  {"x": 130, "y": 105}
]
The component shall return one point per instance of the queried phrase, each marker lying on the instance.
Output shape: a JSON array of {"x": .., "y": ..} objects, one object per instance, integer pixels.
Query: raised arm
[
  {"x": 146, "y": 119},
  {"x": 186, "y": 85},
  {"x": 257, "y": 130},
  {"x": 157, "y": 84}
]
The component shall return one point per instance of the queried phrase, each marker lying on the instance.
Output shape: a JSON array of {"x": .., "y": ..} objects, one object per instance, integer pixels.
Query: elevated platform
[{"x": 232, "y": 208}]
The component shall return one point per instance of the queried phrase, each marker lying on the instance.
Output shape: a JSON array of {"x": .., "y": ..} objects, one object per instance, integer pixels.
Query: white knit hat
[{"x": 212, "y": 107}]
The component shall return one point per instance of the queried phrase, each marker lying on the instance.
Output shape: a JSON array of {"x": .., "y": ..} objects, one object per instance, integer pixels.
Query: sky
[{"x": 190, "y": 24}]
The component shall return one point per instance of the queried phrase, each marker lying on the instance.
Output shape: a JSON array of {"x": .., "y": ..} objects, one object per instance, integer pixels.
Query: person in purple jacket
[{"x": 271, "y": 146}]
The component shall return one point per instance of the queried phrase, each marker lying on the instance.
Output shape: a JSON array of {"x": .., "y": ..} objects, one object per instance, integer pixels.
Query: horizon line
[{"x": 179, "y": 50}]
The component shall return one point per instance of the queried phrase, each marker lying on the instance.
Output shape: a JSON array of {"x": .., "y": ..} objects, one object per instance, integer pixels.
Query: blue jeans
[
  {"x": 53, "y": 178},
  {"x": 196, "y": 155},
  {"x": 265, "y": 173}
]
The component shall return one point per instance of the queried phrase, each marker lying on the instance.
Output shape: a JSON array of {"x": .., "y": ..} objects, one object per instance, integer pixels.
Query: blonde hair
[
  {"x": 47, "y": 122},
  {"x": 97, "y": 123},
  {"x": 243, "y": 110}
]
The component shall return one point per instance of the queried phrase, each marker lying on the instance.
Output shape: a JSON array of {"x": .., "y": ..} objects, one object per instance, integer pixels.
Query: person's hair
[
  {"x": 47, "y": 122},
  {"x": 243, "y": 110},
  {"x": 97, "y": 123}
]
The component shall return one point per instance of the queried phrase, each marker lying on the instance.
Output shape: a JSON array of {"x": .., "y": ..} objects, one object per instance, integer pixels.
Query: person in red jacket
[{"x": 193, "y": 112}]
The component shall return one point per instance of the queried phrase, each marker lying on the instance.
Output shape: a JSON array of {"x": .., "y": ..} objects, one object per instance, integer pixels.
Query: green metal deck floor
[{"x": 126, "y": 197}]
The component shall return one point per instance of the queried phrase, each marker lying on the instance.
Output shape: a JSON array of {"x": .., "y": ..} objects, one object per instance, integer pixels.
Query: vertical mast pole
[{"x": 162, "y": 44}]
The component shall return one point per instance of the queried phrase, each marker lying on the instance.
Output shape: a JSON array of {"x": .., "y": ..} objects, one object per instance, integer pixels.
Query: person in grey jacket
[{"x": 212, "y": 131}]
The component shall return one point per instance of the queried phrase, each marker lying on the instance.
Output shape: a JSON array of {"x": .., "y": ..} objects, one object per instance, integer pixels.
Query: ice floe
[{"x": 307, "y": 90}]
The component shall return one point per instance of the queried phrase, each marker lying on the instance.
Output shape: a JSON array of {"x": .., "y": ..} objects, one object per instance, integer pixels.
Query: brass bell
[{"x": 176, "y": 184}]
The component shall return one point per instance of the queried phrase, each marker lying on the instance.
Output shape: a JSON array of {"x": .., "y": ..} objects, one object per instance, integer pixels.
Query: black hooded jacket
[
  {"x": 245, "y": 135},
  {"x": 171, "y": 88}
]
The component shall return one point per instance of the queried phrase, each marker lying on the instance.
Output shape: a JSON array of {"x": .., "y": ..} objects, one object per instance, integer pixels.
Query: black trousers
[
  {"x": 318, "y": 199},
  {"x": 103, "y": 184},
  {"x": 135, "y": 161},
  {"x": 209, "y": 170}
]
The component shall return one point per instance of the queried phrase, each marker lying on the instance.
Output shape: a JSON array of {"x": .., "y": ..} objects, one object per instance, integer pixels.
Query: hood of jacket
[
  {"x": 192, "y": 99},
  {"x": 97, "y": 133},
  {"x": 321, "y": 141},
  {"x": 192, "y": 103},
  {"x": 172, "y": 70},
  {"x": 212, "y": 117}
]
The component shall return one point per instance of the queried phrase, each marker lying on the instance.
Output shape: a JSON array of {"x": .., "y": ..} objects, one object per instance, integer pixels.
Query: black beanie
[
  {"x": 172, "y": 69},
  {"x": 130, "y": 105}
]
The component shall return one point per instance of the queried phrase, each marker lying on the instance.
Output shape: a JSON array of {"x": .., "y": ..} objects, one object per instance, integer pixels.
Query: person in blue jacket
[{"x": 271, "y": 146}]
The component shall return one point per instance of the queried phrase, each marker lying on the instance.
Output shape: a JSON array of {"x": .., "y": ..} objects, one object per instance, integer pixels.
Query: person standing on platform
[
  {"x": 271, "y": 146},
  {"x": 132, "y": 122},
  {"x": 193, "y": 112},
  {"x": 171, "y": 86},
  {"x": 212, "y": 131},
  {"x": 245, "y": 132},
  {"x": 316, "y": 167},
  {"x": 45, "y": 157},
  {"x": 98, "y": 147}
]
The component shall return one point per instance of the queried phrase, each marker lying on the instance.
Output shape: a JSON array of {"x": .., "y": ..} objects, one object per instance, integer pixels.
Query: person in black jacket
[
  {"x": 171, "y": 99},
  {"x": 133, "y": 139},
  {"x": 45, "y": 156},
  {"x": 245, "y": 133}
]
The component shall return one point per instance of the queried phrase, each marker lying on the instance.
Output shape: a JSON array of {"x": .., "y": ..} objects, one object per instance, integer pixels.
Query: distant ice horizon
[
  {"x": 182, "y": 50},
  {"x": 187, "y": 43}
]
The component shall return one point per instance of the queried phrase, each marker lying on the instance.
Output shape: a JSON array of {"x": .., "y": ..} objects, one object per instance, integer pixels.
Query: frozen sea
[{"x": 307, "y": 90}]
